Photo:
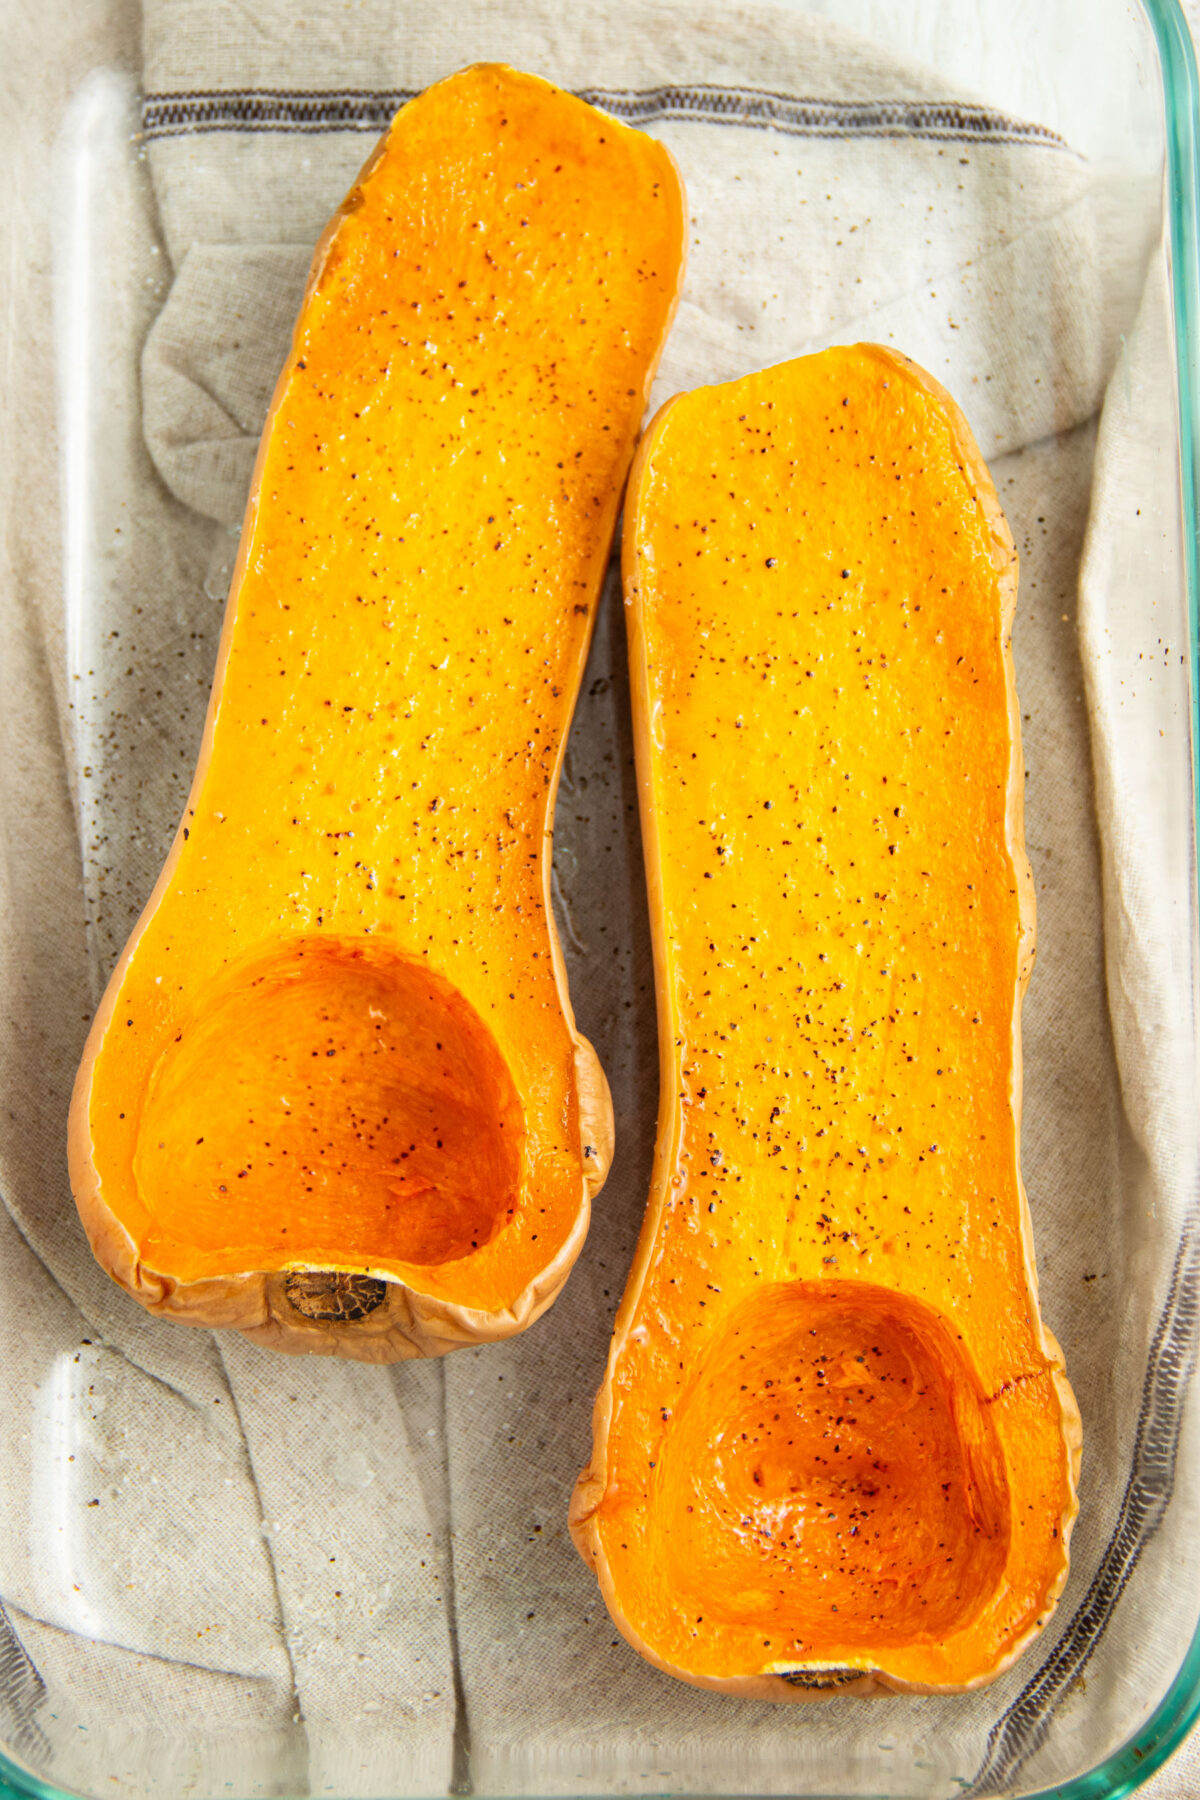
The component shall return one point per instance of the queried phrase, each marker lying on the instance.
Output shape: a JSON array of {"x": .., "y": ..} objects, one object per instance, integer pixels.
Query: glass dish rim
[{"x": 1144, "y": 1753}]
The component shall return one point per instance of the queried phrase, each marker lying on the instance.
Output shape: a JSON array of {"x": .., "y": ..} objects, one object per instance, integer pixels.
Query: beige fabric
[
  {"x": 1179, "y": 1779},
  {"x": 1012, "y": 270}
]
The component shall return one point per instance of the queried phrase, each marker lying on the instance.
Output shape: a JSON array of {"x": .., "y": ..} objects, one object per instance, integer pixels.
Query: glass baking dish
[{"x": 223, "y": 1573}]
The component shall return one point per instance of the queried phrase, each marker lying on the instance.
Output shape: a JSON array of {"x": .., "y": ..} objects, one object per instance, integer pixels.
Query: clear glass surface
[{"x": 1099, "y": 1703}]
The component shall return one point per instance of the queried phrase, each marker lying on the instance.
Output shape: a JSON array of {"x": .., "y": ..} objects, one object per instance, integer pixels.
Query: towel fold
[{"x": 223, "y": 1567}]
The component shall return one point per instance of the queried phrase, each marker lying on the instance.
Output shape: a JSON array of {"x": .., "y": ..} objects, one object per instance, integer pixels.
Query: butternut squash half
[
  {"x": 335, "y": 1096},
  {"x": 835, "y": 1448}
]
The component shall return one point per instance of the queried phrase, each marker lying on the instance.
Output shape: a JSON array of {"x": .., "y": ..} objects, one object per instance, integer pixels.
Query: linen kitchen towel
[{"x": 358, "y": 1581}]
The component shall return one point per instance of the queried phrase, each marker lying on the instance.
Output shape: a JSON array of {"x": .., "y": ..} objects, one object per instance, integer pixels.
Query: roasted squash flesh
[
  {"x": 834, "y": 1441},
  {"x": 358, "y": 1081},
  {"x": 340, "y": 1038},
  {"x": 834, "y": 1446}
]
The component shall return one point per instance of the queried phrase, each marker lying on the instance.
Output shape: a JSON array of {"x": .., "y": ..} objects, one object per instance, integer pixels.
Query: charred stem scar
[{"x": 330, "y": 1295}]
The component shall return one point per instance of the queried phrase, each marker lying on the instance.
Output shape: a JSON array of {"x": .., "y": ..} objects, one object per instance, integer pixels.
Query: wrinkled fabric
[{"x": 233, "y": 1572}]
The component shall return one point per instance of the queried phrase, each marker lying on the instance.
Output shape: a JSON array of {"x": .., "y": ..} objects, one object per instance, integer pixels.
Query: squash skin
[
  {"x": 426, "y": 1309},
  {"x": 612, "y": 1500}
]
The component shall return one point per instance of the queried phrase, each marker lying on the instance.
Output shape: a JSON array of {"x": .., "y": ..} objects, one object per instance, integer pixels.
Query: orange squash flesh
[
  {"x": 835, "y": 1448},
  {"x": 340, "y": 1038}
]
